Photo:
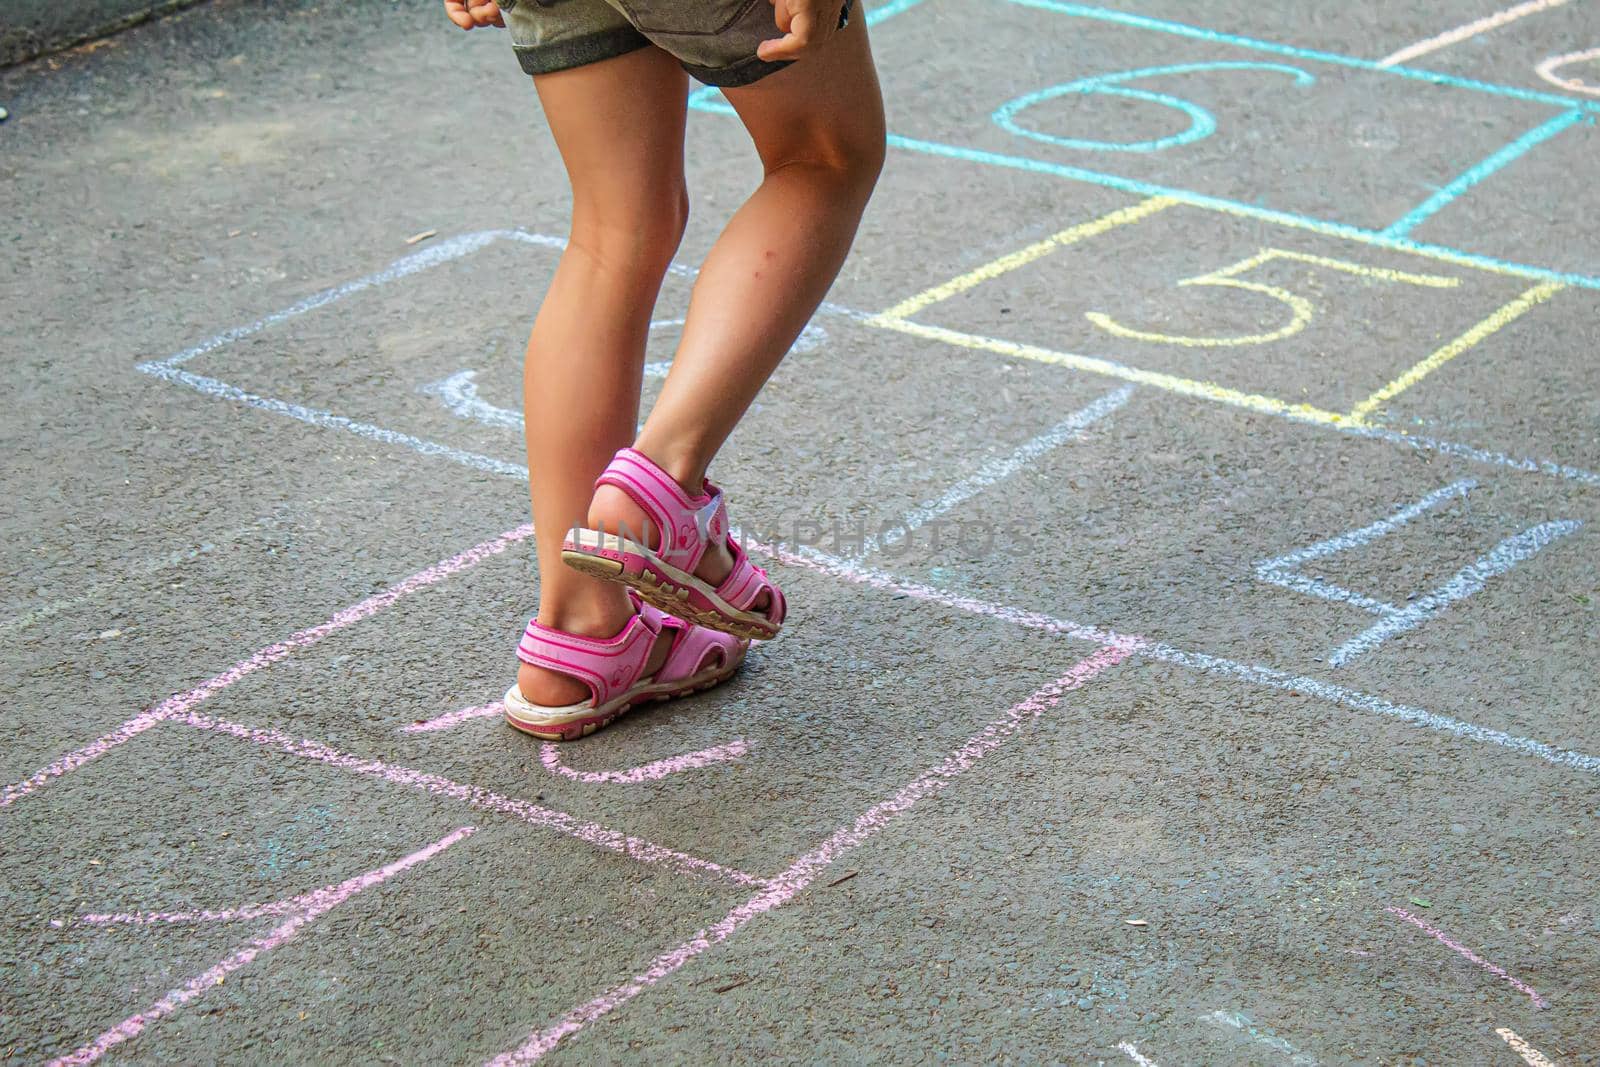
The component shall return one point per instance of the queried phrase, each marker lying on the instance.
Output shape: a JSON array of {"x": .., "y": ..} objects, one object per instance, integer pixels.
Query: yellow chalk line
[
  {"x": 1503, "y": 315},
  {"x": 1300, "y": 308},
  {"x": 1012, "y": 260},
  {"x": 1171, "y": 383}
]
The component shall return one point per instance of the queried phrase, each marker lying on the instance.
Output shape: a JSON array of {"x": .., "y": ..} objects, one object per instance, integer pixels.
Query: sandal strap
[
  {"x": 608, "y": 666},
  {"x": 746, "y": 582},
  {"x": 687, "y": 525}
]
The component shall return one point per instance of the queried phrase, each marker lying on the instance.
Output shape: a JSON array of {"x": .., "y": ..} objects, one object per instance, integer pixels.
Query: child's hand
[
  {"x": 471, "y": 13},
  {"x": 806, "y": 24}
]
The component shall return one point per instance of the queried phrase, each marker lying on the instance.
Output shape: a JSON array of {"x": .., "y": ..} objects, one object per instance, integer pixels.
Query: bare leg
[
  {"x": 818, "y": 127},
  {"x": 619, "y": 126}
]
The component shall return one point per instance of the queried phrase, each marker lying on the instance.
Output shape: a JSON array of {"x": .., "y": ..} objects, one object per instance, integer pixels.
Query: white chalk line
[
  {"x": 1247, "y": 1026},
  {"x": 142, "y": 569},
  {"x": 1201, "y": 662},
  {"x": 1465, "y": 582},
  {"x": 1470, "y": 29},
  {"x": 1547, "y": 70},
  {"x": 1132, "y": 1052},
  {"x": 1530, "y": 1055},
  {"x": 1261, "y": 675},
  {"x": 472, "y": 242},
  {"x": 328, "y": 420},
  {"x": 459, "y": 392},
  {"x": 1071, "y": 428},
  {"x": 1282, "y": 570}
]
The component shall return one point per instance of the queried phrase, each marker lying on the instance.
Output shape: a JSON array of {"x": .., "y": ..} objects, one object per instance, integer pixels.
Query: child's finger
[
  {"x": 781, "y": 14},
  {"x": 800, "y": 39},
  {"x": 456, "y": 11},
  {"x": 484, "y": 13}
]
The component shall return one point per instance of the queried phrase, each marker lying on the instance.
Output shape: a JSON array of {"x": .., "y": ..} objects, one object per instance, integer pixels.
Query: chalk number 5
[{"x": 1299, "y": 309}]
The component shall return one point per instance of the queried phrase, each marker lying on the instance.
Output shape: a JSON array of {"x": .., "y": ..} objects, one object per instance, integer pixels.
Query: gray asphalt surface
[{"x": 1059, "y": 777}]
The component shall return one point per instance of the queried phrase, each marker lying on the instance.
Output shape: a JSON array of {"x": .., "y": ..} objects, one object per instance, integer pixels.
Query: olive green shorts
[{"x": 715, "y": 40}]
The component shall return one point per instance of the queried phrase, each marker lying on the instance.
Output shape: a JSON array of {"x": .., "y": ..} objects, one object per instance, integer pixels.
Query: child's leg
[
  {"x": 619, "y": 126},
  {"x": 818, "y": 127}
]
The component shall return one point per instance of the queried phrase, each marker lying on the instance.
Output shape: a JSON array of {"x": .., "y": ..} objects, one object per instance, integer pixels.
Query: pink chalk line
[
  {"x": 550, "y": 756},
  {"x": 1456, "y": 946},
  {"x": 484, "y": 799},
  {"x": 790, "y": 882},
  {"x": 317, "y": 904},
  {"x": 287, "y": 906},
  {"x": 181, "y": 703},
  {"x": 454, "y": 718}
]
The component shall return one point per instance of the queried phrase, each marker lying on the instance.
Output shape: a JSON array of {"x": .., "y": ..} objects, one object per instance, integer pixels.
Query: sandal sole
[
  {"x": 576, "y": 728},
  {"x": 665, "y": 595}
]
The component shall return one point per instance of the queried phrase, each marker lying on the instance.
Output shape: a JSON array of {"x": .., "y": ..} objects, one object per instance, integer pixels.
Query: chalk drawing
[
  {"x": 288, "y": 906},
  {"x": 550, "y": 756},
  {"x": 1467, "y": 954},
  {"x": 144, "y": 568},
  {"x": 1221, "y": 394},
  {"x": 1465, "y": 582},
  {"x": 1495, "y": 161},
  {"x": 538, "y": 815},
  {"x": 1398, "y": 619},
  {"x": 1284, "y": 570},
  {"x": 1300, "y": 309},
  {"x": 794, "y": 879},
  {"x": 459, "y": 392},
  {"x": 1132, "y": 1052},
  {"x": 1240, "y": 209},
  {"x": 1233, "y": 1020},
  {"x": 455, "y": 718},
  {"x": 314, "y": 906},
  {"x": 459, "y": 395},
  {"x": 1202, "y": 123},
  {"x": 1469, "y": 30},
  {"x": 851, "y": 571},
  {"x": 1530, "y": 1055},
  {"x": 1547, "y": 70},
  {"x": 891, "y": 320},
  {"x": 1022, "y": 257},
  {"x": 1498, "y": 319},
  {"x": 1204, "y": 662},
  {"x": 1199, "y": 33},
  {"x": 181, "y": 703},
  {"x": 1071, "y": 428}
]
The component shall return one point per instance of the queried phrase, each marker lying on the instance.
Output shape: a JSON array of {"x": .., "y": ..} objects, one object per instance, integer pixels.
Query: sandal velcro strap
[
  {"x": 687, "y": 525},
  {"x": 608, "y": 666}
]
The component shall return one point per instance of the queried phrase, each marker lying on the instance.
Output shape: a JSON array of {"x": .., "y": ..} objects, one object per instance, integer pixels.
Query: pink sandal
[
  {"x": 613, "y": 669},
  {"x": 664, "y": 577}
]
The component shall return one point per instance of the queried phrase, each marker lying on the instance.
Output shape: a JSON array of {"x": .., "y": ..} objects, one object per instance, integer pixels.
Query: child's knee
[
  {"x": 851, "y": 158},
  {"x": 642, "y": 235}
]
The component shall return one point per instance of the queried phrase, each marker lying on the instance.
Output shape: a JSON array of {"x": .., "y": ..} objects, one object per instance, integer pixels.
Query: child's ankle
[
  {"x": 685, "y": 465},
  {"x": 598, "y": 619}
]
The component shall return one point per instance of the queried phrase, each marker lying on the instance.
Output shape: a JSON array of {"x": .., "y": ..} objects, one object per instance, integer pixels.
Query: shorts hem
[
  {"x": 579, "y": 51},
  {"x": 743, "y": 73}
]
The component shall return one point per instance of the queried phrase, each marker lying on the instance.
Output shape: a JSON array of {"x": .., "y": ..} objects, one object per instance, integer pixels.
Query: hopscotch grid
[
  {"x": 1110, "y": 654},
  {"x": 180, "y": 708},
  {"x": 1122, "y": 647},
  {"x": 898, "y": 318},
  {"x": 171, "y": 369},
  {"x": 707, "y": 101},
  {"x": 1203, "y": 662}
]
